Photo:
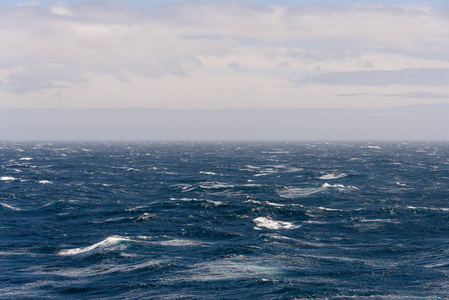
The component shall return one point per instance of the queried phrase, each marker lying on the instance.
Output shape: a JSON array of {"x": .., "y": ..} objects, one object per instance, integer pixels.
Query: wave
[
  {"x": 110, "y": 268},
  {"x": 179, "y": 242},
  {"x": 111, "y": 243},
  {"x": 253, "y": 167},
  {"x": 272, "y": 224},
  {"x": 331, "y": 176},
  {"x": 215, "y": 185},
  {"x": 229, "y": 269},
  {"x": 215, "y": 203},
  {"x": 7, "y": 178},
  {"x": 428, "y": 208},
  {"x": 26, "y": 158},
  {"x": 9, "y": 206},
  {"x": 293, "y": 192},
  {"x": 328, "y": 209},
  {"x": 45, "y": 182},
  {"x": 207, "y": 173},
  {"x": 339, "y": 186},
  {"x": 289, "y": 192},
  {"x": 183, "y": 187},
  {"x": 274, "y": 204},
  {"x": 145, "y": 217},
  {"x": 300, "y": 242}
]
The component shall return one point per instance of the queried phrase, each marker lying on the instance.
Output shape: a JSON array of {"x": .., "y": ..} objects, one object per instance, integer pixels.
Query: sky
[{"x": 259, "y": 54}]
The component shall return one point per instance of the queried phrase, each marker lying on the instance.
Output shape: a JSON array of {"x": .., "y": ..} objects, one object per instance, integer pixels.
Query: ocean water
[{"x": 224, "y": 220}]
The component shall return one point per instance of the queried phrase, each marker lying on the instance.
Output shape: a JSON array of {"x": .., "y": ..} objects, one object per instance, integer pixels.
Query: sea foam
[
  {"x": 272, "y": 224},
  {"x": 111, "y": 243},
  {"x": 332, "y": 176},
  {"x": 292, "y": 192},
  {"x": 45, "y": 182}
]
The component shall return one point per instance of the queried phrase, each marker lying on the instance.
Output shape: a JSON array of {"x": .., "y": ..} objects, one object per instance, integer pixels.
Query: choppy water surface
[{"x": 224, "y": 220}]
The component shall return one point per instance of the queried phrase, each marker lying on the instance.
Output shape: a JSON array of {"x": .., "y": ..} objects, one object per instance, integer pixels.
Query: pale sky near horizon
[{"x": 223, "y": 54}]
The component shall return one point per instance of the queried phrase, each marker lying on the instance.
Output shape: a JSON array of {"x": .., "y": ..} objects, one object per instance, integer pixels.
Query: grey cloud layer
[
  {"x": 414, "y": 77},
  {"x": 62, "y": 44},
  {"x": 415, "y": 95}
]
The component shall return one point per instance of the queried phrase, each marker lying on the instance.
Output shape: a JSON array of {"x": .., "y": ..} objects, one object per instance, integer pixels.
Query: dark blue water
[{"x": 224, "y": 220}]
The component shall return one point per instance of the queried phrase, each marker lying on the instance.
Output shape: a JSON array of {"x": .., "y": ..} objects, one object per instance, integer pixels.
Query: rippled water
[{"x": 224, "y": 220}]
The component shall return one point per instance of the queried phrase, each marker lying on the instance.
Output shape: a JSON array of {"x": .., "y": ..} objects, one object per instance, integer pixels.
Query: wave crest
[{"x": 111, "y": 243}]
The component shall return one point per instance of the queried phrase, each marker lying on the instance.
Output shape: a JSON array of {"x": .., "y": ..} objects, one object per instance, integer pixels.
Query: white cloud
[{"x": 72, "y": 46}]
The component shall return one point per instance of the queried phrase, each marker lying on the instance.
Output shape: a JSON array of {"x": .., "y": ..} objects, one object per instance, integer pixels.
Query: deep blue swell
[{"x": 224, "y": 220}]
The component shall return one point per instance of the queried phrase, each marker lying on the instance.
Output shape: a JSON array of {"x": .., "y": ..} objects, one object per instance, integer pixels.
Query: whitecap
[
  {"x": 111, "y": 243},
  {"x": 179, "y": 242},
  {"x": 328, "y": 209},
  {"x": 9, "y": 206},
  {"x": 315, "y": 222},
  {"x": 327, "y": 185},
  {"x": 7, "y": 178},
  {"x": 331, "y": 176},
  {"x": 272, "y": 224},
  {"x": 183, "y": 199},
  {"x": 252, "y": 201},
  {"x": 216, "y": 203},
  {"x": 252, "y": 185},
  {"x": 275, "y": 204},
  {"x": 339, "y": 186},
  {"x": 45, "y": 181},
  {"x": 276, "y": 152},
  {"x": 428, "y": 208},
  {"x": 268, "y": 170},
  {"x": 207, "y": 173},
  {"x": 184, "y": 187},
  {"x": 26, "y": 158},
  {"x": 252, "y": 167},
  {"x": 215, "y": 185},
  {"x": 371, "y": 147},
  {"x": 170, "y": 173}
]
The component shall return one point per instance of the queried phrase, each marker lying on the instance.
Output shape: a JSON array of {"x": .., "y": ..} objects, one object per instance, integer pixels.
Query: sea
[{"x": 224, "y": 220}]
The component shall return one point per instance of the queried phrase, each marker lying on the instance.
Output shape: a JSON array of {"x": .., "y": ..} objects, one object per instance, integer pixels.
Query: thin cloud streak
[
  {"x": 412, "y": 77},
  {"x": 423, "y": 95}
]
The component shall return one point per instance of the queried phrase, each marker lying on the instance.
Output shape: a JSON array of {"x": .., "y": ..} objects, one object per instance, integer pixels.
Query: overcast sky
[{"x": 223, "y": 54}]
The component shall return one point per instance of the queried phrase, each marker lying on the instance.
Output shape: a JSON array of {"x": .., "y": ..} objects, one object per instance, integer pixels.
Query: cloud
[
  {"x": 236, "y": 67},
  {"x": 425, "y": 95},
  {"x": 42, "y": 77},
  {"x": 411, "y": 77},
  {"x": 62, "y": 44}
]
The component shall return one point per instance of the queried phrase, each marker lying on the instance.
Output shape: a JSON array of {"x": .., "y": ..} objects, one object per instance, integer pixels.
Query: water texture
[{"x": 224, "y": 220}]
